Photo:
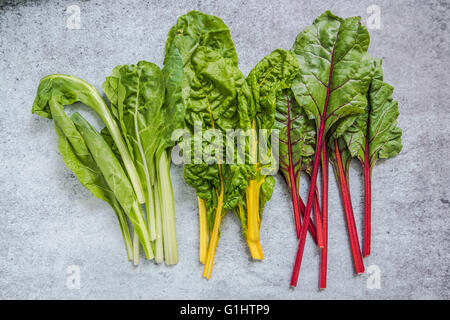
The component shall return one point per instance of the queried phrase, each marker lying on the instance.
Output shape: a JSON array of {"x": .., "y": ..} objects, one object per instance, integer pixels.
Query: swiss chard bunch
[
  {"x": 128, "y": 163},
  {"x": 210, "y": 92},
  {"x": 340, "y": 88},
  {"x": 374, "y": 135},
  {"x": 267, "y": 82}
]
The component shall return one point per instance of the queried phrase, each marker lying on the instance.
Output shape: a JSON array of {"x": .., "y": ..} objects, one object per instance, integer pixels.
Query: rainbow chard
[
  {"x": 267, "y": 81},
  {"x": 374, "y": 135},
  {"x": 210, "y": 90},
  {"x": 328, "y": 87}
]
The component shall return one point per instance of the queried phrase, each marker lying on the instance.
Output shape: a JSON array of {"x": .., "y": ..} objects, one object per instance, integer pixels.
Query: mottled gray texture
[{"x": 49, "y": 221}]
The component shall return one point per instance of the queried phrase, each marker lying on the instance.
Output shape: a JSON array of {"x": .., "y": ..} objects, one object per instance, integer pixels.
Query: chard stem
[
  {"x": 150, "y": 208},
  {"x": 203, "y": 229},
  {"x": 312, "y": 228},
  {"x": 255, "y": 250},
  {"x": 158, "y": 243},
  {"x": 324, "y": 250},
  {"x": 214, "y": 239},
  {"x": 367, "y": 202},
  {"x": 312, "y": 188},
  {"x": 351, "y": 225},
  {"x": 141, "y": 229},
  {"x": 318, "y": 220},
  {"x": 292, "y": 177},
  {"x": 136, "y": 247},
  {"x": 168, "y": 211},
  {"x": 125, "y": 231},
  {"x": 253, "y": 210}
]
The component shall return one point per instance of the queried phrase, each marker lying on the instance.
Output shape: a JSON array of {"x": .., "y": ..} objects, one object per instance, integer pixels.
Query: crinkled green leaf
[
  {"x": 210, "y": 91},
  {"x": 196, "y": 29},
  {"x": 330, "y": 53},
  {"x": 267, "y": 80},
  {"x": 210, "y": 94},
  {"x": 266, "y": 193}
]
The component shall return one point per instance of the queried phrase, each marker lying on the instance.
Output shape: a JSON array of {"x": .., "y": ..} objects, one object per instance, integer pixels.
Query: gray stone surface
[{"x": 49, "y": 221}]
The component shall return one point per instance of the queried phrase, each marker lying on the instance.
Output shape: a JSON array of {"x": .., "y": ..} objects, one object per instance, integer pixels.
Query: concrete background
[{"x": 50, "y": 222}]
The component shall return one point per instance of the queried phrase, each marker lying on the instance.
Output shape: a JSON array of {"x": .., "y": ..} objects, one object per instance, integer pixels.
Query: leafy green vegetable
[
  {"x": 374, "y": 135},
  {"x": 79, "y": 160},
  {"x": 135, "y": 92},
  {"x": 66, "y": 90},
  {"x": 115, "y": 177},
  {"x": 378, "y": 126},
  {"x": 267, "y": 81},
  {"x": 210, "y": 91},
  {"x": 196, "y": 29},
  {"x": 58, "y": 90},
  {"x": 216, "y": 106},
  {"x": 330, "y": 54},
  {"x": 148, "y": 106},
  {"x": 138, "y": 100},
  {"x": 329, "y": 86}
]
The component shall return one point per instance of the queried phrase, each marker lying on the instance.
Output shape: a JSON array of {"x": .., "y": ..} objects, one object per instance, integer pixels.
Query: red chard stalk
[{"x": 328, "y": 87}]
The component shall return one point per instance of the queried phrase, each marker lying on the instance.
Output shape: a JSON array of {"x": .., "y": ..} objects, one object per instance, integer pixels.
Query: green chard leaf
[
  {"x": 138, "y": 97},
  {"x": 378, "y": 126},
  {"x": 114, "y": 175},
  {"x": 267, "y": 82},
  {"x": 59, "y": 89},
  {"x": 330, "y": 53},
  {"x": 210, "y": 92},
  {"x": 210, "y": 87},
  {"x": 196, "y": 29},
  {"x": 211, "y": 99},
  {"x": 80, "y": 161},
  {"x": 85, "y": 161},
  {"x": 148, "y": 105}
]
